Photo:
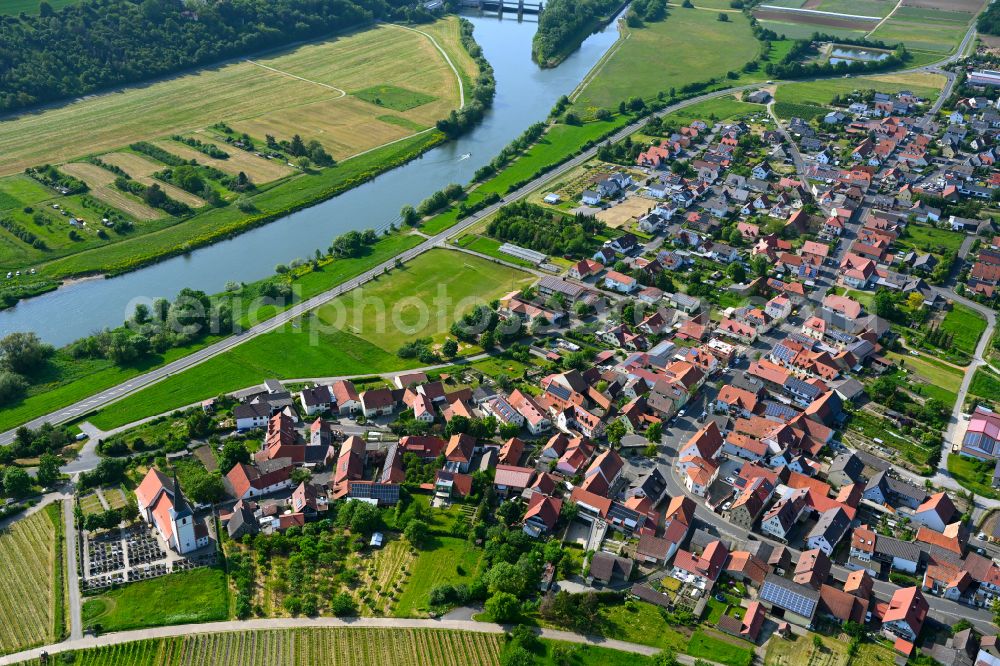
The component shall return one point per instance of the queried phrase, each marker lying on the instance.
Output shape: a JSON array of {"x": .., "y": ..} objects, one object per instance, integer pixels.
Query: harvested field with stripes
[
  {"x": 142, "y": 170},
  {"x": 27, "y": 596},
  {"x": 305, "y": 647},
  {"x": 100, "y": 182},
  {"x": 259, "y": 169}
]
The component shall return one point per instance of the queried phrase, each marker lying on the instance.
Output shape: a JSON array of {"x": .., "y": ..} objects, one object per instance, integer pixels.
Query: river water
[{"x": 525, "y": 94}]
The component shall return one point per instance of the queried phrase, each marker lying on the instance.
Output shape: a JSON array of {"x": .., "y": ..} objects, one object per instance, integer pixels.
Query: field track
[
  {"x": 295, "y": 76},
  {"x": 813, "y": 17}
]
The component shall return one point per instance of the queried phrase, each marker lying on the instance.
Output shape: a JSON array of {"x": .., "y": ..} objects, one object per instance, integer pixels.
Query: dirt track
[{"x": 792, "y": 16}]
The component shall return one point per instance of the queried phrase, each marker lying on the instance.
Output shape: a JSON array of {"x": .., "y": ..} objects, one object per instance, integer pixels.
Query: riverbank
[{"x": 396, "y": 131}]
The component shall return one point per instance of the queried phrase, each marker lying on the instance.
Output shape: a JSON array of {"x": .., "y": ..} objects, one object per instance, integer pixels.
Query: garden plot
[
  {"x": 142, "y": 170},
  {"x": 100, "y": 182}
]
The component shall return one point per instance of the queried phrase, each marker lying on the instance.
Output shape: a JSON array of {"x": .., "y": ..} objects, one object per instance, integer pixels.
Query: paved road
[
  {"x": 75, "y": 607},
  {"x": 323, "y": 622}
]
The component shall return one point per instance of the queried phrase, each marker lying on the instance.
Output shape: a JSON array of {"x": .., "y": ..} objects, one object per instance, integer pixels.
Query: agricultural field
[
  {"x": 687, "y": 47},
  {"x": 259, "y": 170},
  {"x": 812, "y": 97},
  {"x": 803, "y": 24},
  {"x": 292, "y": 93},
  {"x": 923, "y": 32},
  {"x": 363, "y": 341},
  {"x": 259, "y": 96},
  {"x": 781, "y": 652},
  {"x": 372, "y": 578},
  {"x": 879, "y": 8},
  {"x": 100, "y": 181},
  {"x": 198, "y": 595},
  {"x": 115, "y": 497},
  {"x": 31, "y": 595},
  {"x": 306, "y": 647}
]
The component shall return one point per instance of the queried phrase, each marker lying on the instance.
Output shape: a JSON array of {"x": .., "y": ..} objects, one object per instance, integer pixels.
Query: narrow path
[
  {"x": 343, "y": 93},
  {"x": 887, "y": 17},
  {"x": 326, "y": 622},
  {"x": 71, "y": 573},
  {"x": 458, "y": 77}
]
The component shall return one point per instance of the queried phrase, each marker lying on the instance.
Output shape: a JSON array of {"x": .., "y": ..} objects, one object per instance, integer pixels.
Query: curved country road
[{"x": 327, "y": 622}]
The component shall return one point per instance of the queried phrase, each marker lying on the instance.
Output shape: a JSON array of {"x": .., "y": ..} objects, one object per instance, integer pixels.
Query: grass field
[
  {"x": 30, "y": 6},
  {"x": 28, "y": 596},
  {"x": 198, "y": 595},
  {"x": 142, "y": 170},
  {"x": 974, "y": 475},
  {"x": 311, "y": 646},
  {"x": 933, "y": 378},
  {"x": 374, "y": 324},
  {"x": 252, "y": 98},
  {"x": 67, "y": 380},
  {"x": 687, "y": 47},
  {"x": 641, "y": 622},
  {"x": 449, "y": 560},
  {"x": 878, "y": 8},
  {"x": 781, "y": 652},
  {"x": 941, "y": 242},
  {"x": 803, "y": 97},
  {"x": 923, "y": 32},
  {"x": 966, "y": 325},
  {"x": 709, "y": 644},
  {"x": 985, "y": 384},
  {"x": 796, "y": 30}
]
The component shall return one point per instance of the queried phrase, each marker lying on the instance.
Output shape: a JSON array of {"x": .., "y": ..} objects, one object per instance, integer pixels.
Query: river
[{"x": 525, "y": 94}]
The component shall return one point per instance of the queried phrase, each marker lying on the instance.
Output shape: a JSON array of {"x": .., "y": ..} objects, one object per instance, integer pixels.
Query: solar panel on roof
[
  {"x": 559, "y": 391},
  {"x": 788, "y": 599}
]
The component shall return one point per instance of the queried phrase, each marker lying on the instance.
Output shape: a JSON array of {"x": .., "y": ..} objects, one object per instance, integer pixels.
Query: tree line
[
  {"x": 117, "y": 42},
  {"x": 989, "y": 21},
  {"x": 536, "y": 228},
  {"x": 564, "y": 22}
]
